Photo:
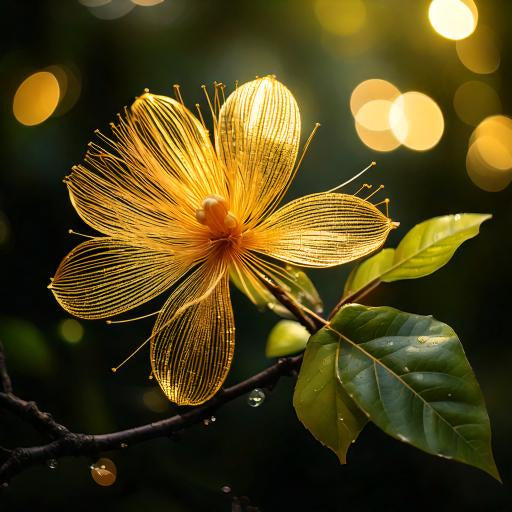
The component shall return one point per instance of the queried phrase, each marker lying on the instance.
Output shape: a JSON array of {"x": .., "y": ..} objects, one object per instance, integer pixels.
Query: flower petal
[
  {"x": 193, "y": 339},
  {"x": 103, "y": 277},
  {"x": 321, "y": 230},
  {"x": 257, "y": 137},
  {"x": 151, "y": 176}
]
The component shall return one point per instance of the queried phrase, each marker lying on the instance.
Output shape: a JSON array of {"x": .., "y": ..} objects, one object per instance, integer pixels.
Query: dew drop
[
  {"x": 124, "y": 445},
  {"x": 457, "y": 216},
  {"x": 209, "y": 421},
  {"x": 52, "y": 463},
  {"x": 406, "y": 369},
  {"x": 256, "y": 397},
  {"x": 226, "y": 489},
  {"x": 104, "y": 472},
  {"x": 449, "y": 395}
]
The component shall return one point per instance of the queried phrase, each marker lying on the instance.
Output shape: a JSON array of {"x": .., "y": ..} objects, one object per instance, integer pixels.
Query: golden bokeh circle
[
  {"x": 480, "y": 52},
  {"x": 453, "y": 19},
  {"x": 36, "y": 98},
  {"x": 416, "y": 121}
]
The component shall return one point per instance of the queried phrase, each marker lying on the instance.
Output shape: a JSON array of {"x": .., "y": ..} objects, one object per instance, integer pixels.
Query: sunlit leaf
[
  {"x": 410, "y": 375},
  {"x": 423, "y": 250},
  {"x": 286, "y": 337},
  {"x": 321, "y": 403}
]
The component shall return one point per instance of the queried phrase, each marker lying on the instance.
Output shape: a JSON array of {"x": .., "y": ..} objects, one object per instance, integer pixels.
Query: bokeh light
[
  {"x": 480, "y": 52},
  {"x": 69, "y": 86},
  {"x": 71, "y": 330},
  {"x": 370, "y": 104},
  {"x": 147, "y": 3},
  {"x": 416, "y": 121},
  {"x": 381, "y": 140},
  {"x": 474, "y": 101},
  {"x": 489, "y": 157},
  {"x": 453, "y": 19},
  {"x": 341, "y": 18},
  {"x": 104, "y": 472},
  {"x": 372, "y": 89},
  {"x": 111, "y": 10},
  {"x": 36, "y": 98}
]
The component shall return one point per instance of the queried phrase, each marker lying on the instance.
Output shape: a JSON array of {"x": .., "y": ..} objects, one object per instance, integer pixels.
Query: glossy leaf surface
[
  {"x": 409, "y": 373},
  {"x": 321, "y": 403},
  {"x": 423, "y": 250}
]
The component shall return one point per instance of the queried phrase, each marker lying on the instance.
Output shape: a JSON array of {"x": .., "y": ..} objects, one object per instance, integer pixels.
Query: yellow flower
[{"x": 178, "y": 211}]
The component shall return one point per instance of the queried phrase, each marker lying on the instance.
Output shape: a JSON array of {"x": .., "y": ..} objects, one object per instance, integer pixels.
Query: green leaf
[
  {"x": 286, "y": 337},
  {"x": 410, "y": 375},
  {"x": 424, "y": 249},
  {"x": 298, "y": 285},
  {"x": 321, "y": 403}
]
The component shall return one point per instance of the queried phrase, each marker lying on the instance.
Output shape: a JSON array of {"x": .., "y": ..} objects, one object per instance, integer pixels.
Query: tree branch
[
  {"x": 63, "y": 442},
  {"x": 71, "y": 443}
]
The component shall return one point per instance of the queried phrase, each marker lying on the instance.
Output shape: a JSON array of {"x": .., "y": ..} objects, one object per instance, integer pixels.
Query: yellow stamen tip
[
  {"x": 394, "y": 224},
  {"x": 114, "y": 370}
]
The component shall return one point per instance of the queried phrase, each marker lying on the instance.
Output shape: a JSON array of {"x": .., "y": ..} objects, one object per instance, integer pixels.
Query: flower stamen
[{"x": 215, "y": 214}]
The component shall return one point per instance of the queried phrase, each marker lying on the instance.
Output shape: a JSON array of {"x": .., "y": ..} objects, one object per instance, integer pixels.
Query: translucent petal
[
  {"x": 321, "y": 230},
  {"x": 257, "y": 137},
  {"x": 103, "y": 277},
  {"x": 193, "y": 339},
  {"x": 149, "y": 179}
]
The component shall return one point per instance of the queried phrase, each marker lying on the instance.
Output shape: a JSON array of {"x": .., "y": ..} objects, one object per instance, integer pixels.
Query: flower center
[{"x": 215, "y": 214}]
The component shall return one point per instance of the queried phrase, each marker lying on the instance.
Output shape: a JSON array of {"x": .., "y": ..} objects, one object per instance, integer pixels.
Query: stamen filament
[
  {"x": 114, "y": 370},
  {"x": 110, "y": 322},
  {"x": 306, "y": 146},
  {"x": 353, "y": 178},
  {"x": 73, "y": 232},
  {"x": 177, "y": 93},
  {"x": 378, "y": 189},
  {"x": 365, "y": 185}
]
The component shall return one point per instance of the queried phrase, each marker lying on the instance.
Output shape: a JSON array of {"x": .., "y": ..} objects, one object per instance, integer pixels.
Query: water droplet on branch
[
  {"x": 256, "y": 397},
  {"x": 52, "y": 463}
]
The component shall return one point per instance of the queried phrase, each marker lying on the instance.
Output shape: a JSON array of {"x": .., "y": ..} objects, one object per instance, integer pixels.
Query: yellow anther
[
  {"x": 215, "y": 214},
  {"x": 201, "y": 216},
  {"x": 230, "y": 221}
]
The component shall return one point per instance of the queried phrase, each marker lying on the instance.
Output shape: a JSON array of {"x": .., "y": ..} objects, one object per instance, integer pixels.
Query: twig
[
  {"x": 63, "y": 442},
  {"x": 75, "y": 444}
]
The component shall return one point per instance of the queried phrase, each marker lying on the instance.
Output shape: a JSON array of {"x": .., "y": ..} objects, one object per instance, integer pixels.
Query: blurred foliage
[{"x": 262, "y": 453}]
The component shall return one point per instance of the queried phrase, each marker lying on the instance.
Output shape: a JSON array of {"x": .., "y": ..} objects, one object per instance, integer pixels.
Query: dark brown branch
[
  {"x": 70, "y": 443},
  {"x": 63, "y": 442},
  {"x": 311, "y": 323}
]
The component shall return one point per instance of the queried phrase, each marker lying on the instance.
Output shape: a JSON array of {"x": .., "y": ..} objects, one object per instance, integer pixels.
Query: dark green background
[{"x": 264, "y": 453}]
